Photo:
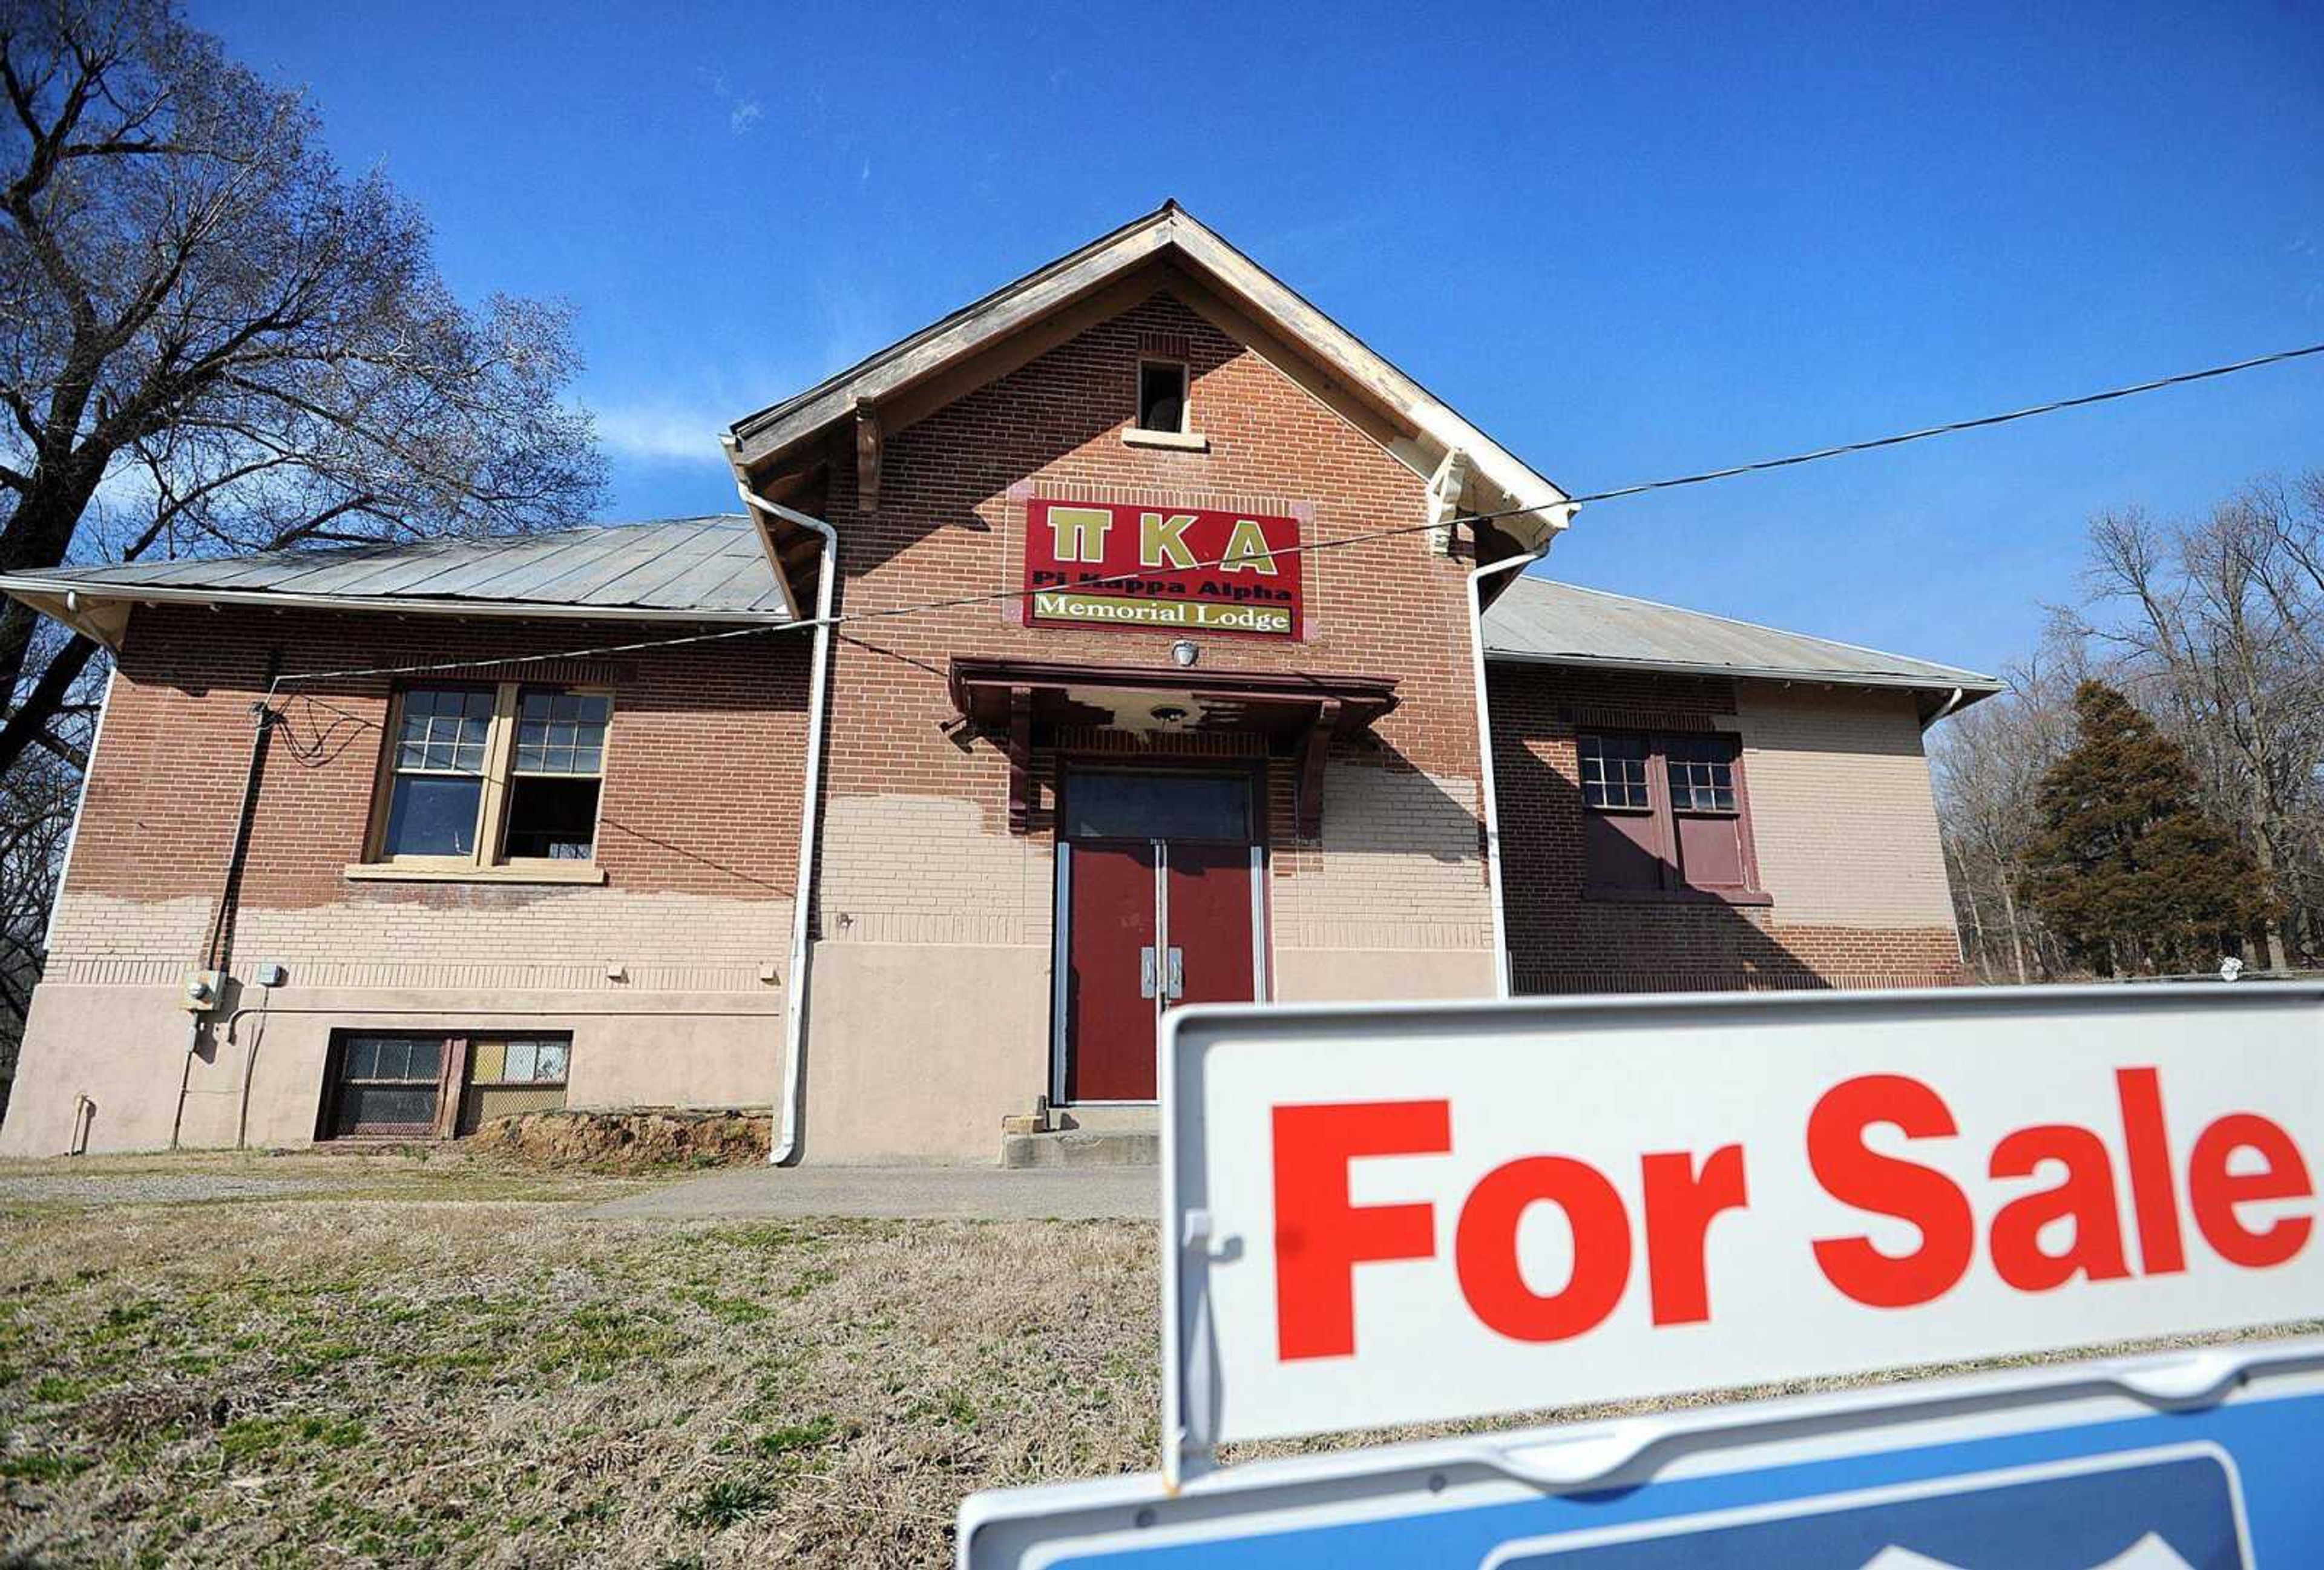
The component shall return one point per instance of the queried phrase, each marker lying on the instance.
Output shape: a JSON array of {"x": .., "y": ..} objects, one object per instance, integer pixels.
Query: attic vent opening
[{"x": 1161, "y": 396}]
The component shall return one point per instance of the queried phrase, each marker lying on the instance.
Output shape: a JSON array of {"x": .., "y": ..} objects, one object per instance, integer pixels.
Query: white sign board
[{"x": 1400, "y": 1213}]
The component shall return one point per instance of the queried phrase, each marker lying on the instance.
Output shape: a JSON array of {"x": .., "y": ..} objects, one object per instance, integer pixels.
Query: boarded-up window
[
  {"x": 1664, "y": 813},
  {"x": 1622, "y": 833},
  {"x": 1706, "y": 813},
  {"x": 507, "y": 1075}
]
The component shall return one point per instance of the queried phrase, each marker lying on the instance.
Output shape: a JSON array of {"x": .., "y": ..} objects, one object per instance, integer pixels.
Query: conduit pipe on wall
[
  {"x": 785, "y": 1145},
  {"x": 1491, "y": 797},
  {"x": 261, "y": 720}
]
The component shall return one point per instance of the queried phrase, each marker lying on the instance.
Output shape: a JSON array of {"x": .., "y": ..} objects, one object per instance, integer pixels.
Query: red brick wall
[
  {"x": 1561, "y": 941},
  {"x": 702, "y": 783},
  {"x": 951, "y": 520}
]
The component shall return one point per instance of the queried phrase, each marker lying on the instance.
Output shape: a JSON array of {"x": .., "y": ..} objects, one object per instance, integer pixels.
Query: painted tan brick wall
[
  {"x": 931, "y": 869},
  {"x": 1841, "y": 807},
  {"x": 1396, "y": 868},
  {"x": 672, "y": 942}
]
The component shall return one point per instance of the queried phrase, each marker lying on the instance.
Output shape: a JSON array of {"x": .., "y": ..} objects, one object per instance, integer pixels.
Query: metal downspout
[
  {"x": 785, "y": 1145},
  {"x": 1951, "y": 704},
  {"x": 1491, "y": 796}
]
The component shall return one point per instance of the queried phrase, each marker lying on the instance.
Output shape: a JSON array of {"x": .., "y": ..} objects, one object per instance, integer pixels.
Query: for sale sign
[
  {"x": 1389, "y": 1214},
  {"x": 1171, "y": 570}
]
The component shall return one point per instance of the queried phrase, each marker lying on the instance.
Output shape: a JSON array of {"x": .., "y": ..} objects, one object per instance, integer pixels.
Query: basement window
[
  {"x": 509, "y": 1074},
  {"x": 491, "y": 782},
  {"x": 1162, "y": 396},
  {"x": 383, "y": 1086}
]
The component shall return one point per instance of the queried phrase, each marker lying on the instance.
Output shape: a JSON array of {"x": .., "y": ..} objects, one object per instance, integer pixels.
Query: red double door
[{"x": 1150, "y": 922}]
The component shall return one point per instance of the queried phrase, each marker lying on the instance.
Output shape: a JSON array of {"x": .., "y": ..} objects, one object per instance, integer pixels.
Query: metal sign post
[{"x": 1403, "y": 1214}]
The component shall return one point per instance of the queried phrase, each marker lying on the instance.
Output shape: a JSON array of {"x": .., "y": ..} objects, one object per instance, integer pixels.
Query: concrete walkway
[{"x": 945, "y": 1193}]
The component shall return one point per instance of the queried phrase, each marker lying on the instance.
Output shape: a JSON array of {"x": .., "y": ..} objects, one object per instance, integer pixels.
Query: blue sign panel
[
  {"x": 2036, "y": 1472},
  {"x": 2164, "y": 1510}
]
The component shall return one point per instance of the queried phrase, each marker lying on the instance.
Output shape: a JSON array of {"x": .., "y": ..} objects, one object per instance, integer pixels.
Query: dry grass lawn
[
  {"x": 456, "y": 1365},
  {"x": 406, "y": 1361}
]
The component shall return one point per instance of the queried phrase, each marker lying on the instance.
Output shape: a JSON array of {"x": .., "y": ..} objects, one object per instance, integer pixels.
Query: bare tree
[
  {"x": 2215, "y": 628},
  {"x": 2219, "y": 637},
  {"x": 1989, "y": 763},
  {"x": 211, "y": 338}
]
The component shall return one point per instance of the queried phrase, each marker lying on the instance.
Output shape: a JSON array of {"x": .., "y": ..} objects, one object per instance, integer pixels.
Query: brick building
[{"x": 1113, "y": 642}]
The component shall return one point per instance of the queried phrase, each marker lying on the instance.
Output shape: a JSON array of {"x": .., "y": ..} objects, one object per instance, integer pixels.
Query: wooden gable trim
[{"x": 1066, "y": 297}]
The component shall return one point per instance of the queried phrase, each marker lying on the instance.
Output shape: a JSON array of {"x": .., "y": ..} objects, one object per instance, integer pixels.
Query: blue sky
[{"x": 1628, "y": 240}]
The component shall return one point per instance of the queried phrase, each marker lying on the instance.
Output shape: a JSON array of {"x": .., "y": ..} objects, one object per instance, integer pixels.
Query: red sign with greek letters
[{"x": 1161, "y": 569}]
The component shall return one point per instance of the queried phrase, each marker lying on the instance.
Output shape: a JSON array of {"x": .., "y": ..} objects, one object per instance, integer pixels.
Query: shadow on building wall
[{"x": 1562, "y": 940}]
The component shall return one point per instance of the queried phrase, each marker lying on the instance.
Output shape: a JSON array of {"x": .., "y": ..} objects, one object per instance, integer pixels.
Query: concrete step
[
  {"x": 1083, "y": 1148},
  {"x": 1109, "y": 1120}
]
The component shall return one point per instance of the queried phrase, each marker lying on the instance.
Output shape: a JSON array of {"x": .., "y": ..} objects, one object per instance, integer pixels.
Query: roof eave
[
  {"x": 1971, "y": 686},
  {"x": 85, "y": 606}
]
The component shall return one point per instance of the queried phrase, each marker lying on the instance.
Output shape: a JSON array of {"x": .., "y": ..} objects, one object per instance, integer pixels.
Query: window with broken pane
[{"x": 558, "y": 773}]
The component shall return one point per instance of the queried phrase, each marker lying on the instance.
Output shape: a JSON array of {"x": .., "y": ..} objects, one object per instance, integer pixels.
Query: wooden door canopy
[{"x": 1025, "y": 702}]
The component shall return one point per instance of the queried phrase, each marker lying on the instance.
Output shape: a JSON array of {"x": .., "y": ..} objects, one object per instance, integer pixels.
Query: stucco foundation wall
[
  {"x": 122, "y": 1047},
  {"x": 125, "y": 1047},
  {"x": 916, "y": 1051}
]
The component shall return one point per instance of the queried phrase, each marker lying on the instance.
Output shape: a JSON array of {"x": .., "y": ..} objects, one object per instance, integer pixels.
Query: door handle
[
  {"x": 1178, "y": 974},
  {"x": 1146, "y": 971}
]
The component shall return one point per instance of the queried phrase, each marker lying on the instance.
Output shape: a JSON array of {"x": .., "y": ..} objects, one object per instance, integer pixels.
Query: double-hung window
[
  {"x": 485, "y": 779},
  {"x": 1664, "y": 814},
  {"x": 436, "y": 794}
]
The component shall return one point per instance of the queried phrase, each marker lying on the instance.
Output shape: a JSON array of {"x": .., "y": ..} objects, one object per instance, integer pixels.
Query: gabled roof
[
  {"x": 689, "y": 569},
  {"x": 1542, "y": 621},
  {"x": 1166, "y": 247}
]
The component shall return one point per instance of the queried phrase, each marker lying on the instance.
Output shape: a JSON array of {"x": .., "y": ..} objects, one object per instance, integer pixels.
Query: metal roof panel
[
  {"x": 1540, "y": 620},
  {"x": 710, "y": 564}
]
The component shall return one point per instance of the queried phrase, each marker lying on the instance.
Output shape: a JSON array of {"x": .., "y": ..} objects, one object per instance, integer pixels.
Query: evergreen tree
[{"x": 2124, "y": 866}]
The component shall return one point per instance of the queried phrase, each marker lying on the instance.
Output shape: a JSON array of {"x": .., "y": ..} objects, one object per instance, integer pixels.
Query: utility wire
[
  {"x": 1674, "y": 483},
  {"x": 2053, "y": 407}
]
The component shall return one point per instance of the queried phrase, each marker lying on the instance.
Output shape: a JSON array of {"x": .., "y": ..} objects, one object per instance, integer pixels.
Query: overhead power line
[
  {"x": 922, "y": 607},
  {"x": 2053, "y": 407}
]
